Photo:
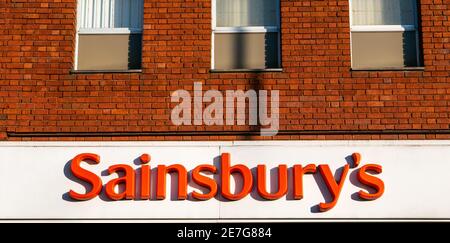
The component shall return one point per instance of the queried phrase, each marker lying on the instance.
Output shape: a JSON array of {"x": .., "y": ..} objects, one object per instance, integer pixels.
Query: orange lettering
[
  {"x": 356, "y": 157},
  {"x": 201, "y": 176},
  {"x": 145, "y": 177},
  {"x": 282, "y": 183},
  {"x": 182, "y": 181},
  {"x": 86, "y": 176},
  {"x": 128, "y": 180},
  {"x": 332, "y": 185},
  {"x": 204, "y": 181},
  {"x": 298, "y": 178},
  {"x": 371, "y": 181},
  {"x": 226, "y": 172}
]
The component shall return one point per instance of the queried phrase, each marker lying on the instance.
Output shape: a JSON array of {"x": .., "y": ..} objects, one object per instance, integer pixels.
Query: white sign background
[{"x": 35, "y": 179}]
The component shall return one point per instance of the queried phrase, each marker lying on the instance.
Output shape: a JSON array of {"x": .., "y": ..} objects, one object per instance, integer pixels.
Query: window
[
  {"x": 384, "y": 34},
  {"x": 109, "y": 35},
  {"x": 246, "y": 34}
]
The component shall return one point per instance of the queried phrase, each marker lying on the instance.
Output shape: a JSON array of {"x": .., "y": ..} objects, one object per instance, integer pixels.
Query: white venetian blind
[
  {"x": 383, "y": 12},
  {"x": 110, "y": 14},
  {"x": 241, "y": 13}
]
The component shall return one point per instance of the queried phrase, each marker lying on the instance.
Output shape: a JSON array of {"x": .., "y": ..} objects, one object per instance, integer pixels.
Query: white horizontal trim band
[
  {"x": 376, "y": 28},
  {"x": 256, "y": 29},
  {"x": 110, "y": 31}
]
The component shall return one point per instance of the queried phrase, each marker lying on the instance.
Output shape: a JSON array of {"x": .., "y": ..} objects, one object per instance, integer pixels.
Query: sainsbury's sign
[
  {"x": 220, "y": 181},
  {"x": 130, "y": 177}
]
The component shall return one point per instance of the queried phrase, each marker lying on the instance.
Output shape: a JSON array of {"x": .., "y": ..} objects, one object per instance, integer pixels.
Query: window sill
[
  {"x": 105, "y": 71},
  {"x": 267, "y": 70},
  {"x": 401, "y": 69}
]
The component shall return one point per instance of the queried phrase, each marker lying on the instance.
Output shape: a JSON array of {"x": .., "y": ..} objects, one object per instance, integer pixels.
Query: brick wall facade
[{"x": 320, "y": 97}]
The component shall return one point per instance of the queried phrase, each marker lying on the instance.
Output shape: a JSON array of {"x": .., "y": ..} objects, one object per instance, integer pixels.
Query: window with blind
[
  {"x": 109, "y": 35},
  {"x": 384, "y": 34},
  {"x": 246, "y": 34}
]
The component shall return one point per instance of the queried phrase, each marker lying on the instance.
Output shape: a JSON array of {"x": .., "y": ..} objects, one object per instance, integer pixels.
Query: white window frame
[
  {"x": 386, "y": 28},
  {"x": 246, "y": 29},
  {"x": 99, "y": 31}
]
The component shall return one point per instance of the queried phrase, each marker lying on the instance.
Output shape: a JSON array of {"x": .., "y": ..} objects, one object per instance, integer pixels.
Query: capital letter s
[{"x": 86, "y": 176}]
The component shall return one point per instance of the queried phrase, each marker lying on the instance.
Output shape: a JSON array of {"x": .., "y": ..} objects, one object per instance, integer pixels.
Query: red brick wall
[{"x": 319, "y": 95}]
